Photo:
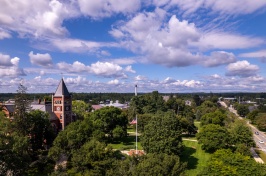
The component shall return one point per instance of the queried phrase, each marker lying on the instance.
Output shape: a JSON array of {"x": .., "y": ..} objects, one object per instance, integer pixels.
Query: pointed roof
[{"x": 62, "y": 89}]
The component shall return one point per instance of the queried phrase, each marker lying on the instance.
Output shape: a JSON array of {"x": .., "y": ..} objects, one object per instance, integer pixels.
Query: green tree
[
  {"x": 80, "y": 108},
  {"x": 109, "y": 118},
  {"x": 14, "y": 156},
  {"x": 160, "y": 164},
  {"x": 72, "y": 138},
  {"x": 241, "y": 133},
  {"x": 242, "y": 110},
  {"x": 213, "y": 137},
  {"x": 22, "y": 107},
  {"x": 252, "y": 115},
  {"x": 216, "y": 117},
  {"x": 225, "y": 162},
  {"x": 93, "y": 158},
  {"x": 162, "y": 134},
  {"x": 261, "y": 122},
  {"x": 39, "y": 130}
]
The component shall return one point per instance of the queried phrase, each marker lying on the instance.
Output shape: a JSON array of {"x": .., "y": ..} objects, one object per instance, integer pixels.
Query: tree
[
  {"x": 162, "y": 134},
  {"x": 216, "y": 117},
  {"x": 261, "y": 122},
  {"x": 213, "y": 137},
  {"x": 93, "y": 158},
  {"x": 72, "y": 138},
  {"x": 22, "y": 107},
  {"x": 241, "y": 133},
  {"x": 252, "y": 115},
  {"x": 225, "y": 162},
  {"x": 80, "y": 108},
  {"x": 242, "y": 110},
  {"x": 160, "y": 164},
  {"x": 39, "y": 130},
  {"x": 108, "y": 118},
  {"x": 14, "y": 156}
]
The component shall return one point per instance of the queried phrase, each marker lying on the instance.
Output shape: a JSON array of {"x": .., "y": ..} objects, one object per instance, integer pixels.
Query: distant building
[
  {"x": 110, "y": 103},
  {"x": 59, "y": 110}
]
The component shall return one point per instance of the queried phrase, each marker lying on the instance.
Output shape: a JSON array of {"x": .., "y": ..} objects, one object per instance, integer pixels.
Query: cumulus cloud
[
  {"x": 176, "y": 43},
  {"x": 5, "y": 60},
  {"x": 242, "y": 69},
  {"x": 9, "y": 67},
  {"x": 106, "y": 8},
  {"x": 114, "y": 82},
  {"x": 140, "y": 78},
  {"x": 102, "y": 69},
  {"x": 45, "y": 18},
  {"x": 43, "y": 60},
  {"x": 219, "y": 58}
]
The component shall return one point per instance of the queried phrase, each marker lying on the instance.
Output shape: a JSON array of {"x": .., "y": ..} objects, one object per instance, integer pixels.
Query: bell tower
[{"x": 62, "y": 105}]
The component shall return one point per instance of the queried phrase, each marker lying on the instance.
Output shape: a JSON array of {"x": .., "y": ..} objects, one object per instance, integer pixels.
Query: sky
[{"x": 170, "y": 46}]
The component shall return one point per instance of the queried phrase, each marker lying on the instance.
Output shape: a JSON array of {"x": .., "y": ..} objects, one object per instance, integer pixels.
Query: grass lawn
[
  {"x": 262, "y": 155},
  {"x": 126, "y": 143},
  {"x": 195, "y": 157}
]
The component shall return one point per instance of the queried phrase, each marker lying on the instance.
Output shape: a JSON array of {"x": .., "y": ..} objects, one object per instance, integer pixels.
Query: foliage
[
  {"x": 160, "y": 164},
  {"x": 206, "y": 107},
  {"x": 225, "y": 162},
  {"x": 93, "y": 158},
  {"x": 242, "y": 110},
  {"x": 79, "y": 108},
  {"x": 22, "y": 107},
  {"x": 213, "y": 137},
  {"x": 241, "y": 133},
  {"x": 260, "y": 121},
  {"x": 162, "y": 134},
  {"x": 72, "y": 138},
  {"x": 252, "y": 115},
  {"x": 108, "y": 118},
  {"x": 14, "y": 156},
  {"x": 216, "y": 117},
  {"x": 39, "y": 130}
]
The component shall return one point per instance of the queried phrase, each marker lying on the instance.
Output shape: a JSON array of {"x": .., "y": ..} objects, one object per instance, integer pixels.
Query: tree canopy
[{"x": 162, "y": 134}]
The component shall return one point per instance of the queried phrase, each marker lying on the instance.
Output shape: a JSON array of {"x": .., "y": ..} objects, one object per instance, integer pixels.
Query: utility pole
[{"x": 136, "y": 123}]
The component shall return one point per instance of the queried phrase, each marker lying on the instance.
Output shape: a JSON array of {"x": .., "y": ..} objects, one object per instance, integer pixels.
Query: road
[{"x": 260, "y": 136}]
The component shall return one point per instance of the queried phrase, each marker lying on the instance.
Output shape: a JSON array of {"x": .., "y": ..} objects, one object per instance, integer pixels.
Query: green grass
[
  {"x": 262, "y": 155},
  {"x": 131, "y": 129},
  {"x": 126, "y": 143},
  {"x": 195, "y": 157}
]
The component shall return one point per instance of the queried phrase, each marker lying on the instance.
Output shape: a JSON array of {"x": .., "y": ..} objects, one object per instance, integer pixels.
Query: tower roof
[{"x": 62, "y": 89}]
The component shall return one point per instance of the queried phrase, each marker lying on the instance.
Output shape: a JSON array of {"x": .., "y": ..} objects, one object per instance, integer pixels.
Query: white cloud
[
  {"x": 44, "y": 60},
  {"x": 114, "y": 82},
  {"x": 106, "y": 69},
  {"x": 106, "y": 8},
  {"x": 140, "y": 78},
  {"x": 129, "y": 69},
  {"x": 256, "y": 54},
  {"x": 242, "y": 69},
  {"x": 124, "y": 61},
  {"x": 223, "y": 7},
  {"x": 76, "y": 67},
  {"x": 5, "y": 60},
  {"x": 4, "y": 34},
  {"x": 223, "y": 40},
  {"x": 178, "y": 43},
  {"x": 36, "y": 18},
  {"x": 219, "y": 58}
]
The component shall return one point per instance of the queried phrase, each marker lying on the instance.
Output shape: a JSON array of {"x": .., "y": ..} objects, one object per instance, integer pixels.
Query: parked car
[
  {"x": 261, "y": 141},
  {"x": 257, "y": 133}
]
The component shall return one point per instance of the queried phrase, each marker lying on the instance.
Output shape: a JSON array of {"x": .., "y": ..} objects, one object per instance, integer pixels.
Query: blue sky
[{"x": 111, "y": 45}]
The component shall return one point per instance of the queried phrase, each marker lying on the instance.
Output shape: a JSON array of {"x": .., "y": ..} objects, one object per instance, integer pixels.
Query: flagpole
[{"x": 136, "y": 123}]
